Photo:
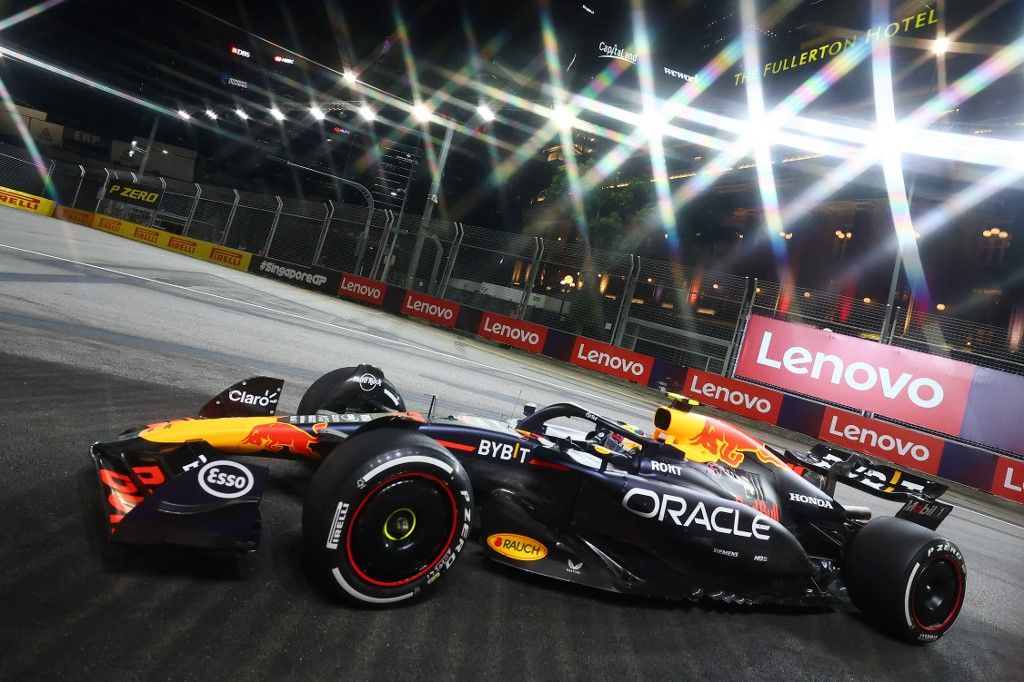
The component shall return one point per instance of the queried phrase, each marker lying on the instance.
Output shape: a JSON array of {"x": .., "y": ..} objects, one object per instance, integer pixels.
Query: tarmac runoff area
[{"x": 98, "y": 333}]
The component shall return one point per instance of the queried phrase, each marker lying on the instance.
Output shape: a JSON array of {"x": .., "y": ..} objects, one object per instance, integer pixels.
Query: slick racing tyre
[
  {"x": 905, "y": 578},
  {"x": 351, "y": 389},
  {"x": 385, "y": 516}
]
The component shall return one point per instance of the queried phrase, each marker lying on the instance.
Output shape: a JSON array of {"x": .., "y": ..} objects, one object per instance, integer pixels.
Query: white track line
[{"x": 350, "y": 330}]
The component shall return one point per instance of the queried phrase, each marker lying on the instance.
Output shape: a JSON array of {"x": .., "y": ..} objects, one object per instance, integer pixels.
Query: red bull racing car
[{"x": 696, "y": 509}]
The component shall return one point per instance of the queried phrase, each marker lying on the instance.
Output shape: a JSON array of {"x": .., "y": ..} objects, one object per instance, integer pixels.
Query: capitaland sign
[
  {"x": 517, "y": 333},
  {"x": 615, "y": 52},
  {"x": 881, "y": 439},
  {"x": 912, "y": 387}
]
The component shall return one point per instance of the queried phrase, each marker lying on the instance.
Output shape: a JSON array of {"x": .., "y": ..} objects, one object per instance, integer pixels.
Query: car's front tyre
[{"x": 386, "y": 515}]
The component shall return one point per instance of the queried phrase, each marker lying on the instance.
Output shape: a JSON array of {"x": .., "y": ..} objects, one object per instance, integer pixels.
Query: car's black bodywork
[{"x": 700, "y": 509}]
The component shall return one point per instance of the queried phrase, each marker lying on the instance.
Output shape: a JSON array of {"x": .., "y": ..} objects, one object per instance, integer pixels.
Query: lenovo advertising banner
[
  {"x": 611, "y": 360},
  {"x": 517, "y": 333},
  {"x": 993, "y": 414},
  {"x": 738, "y": 397},
  {"x": 920, "y": 389},
  {"x": 882, "y": 440},
  {"x": 362, "y": 289},
  {"x": 1008, "y": 481},
  {"x": 430, "y": 308}
]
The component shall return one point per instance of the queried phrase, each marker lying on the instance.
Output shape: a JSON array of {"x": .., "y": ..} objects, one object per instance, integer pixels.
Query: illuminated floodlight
[
  {"x": 807, "y": 294},
  {"x": 562, "y": 117},
  {"x": 940, "y": 307},
  {"x": 367, "y": 113},
  {"x": 317, "y": 113},
  {"x": 350, "y": 76},
  {"x": 867, "y": 299},
  {"x": 211, "y": 114},
  {"x": 276, "y": 114},
  {"x": 164, "y": 151},
  {"x": 653, "y": 122},
  {"x": 421, "y": 112},
  {"x": 183, "y": 114},
  {"x": 241, "y": 114},
  {"x": 941, "y": 45},
  {"x": 485, "y": 112}
]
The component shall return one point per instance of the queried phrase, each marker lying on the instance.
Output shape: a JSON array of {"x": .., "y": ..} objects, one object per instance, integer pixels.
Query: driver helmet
[{"x": 615, "y": 441}]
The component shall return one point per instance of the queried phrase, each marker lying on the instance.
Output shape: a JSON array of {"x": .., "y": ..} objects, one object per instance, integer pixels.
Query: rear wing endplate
[{"x": 919, "y": 495}]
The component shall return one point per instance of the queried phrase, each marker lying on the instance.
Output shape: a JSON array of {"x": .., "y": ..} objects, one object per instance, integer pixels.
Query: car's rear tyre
[
  {"x": 351, "y": 389},
  {"x": 385, "y": 516},
  {"x": 905, "y": 578}
]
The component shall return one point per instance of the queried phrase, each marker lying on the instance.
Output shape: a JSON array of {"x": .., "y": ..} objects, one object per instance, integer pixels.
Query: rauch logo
[
  {"x": 734, "y": 396},
  {"x": 916, "y": 388},
  {"x": 362, "y": 289},
  {"x": 612, "y": 360},
  {"x": 885, "y": 441},
  {"x": 517, "y": 333},
  {"x": 516, "y": 546},
  {"x": 436, "y": 310}
]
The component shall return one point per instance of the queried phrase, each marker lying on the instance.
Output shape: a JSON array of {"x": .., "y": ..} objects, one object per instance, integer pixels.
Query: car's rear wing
[{"x": 919, "y": 495}]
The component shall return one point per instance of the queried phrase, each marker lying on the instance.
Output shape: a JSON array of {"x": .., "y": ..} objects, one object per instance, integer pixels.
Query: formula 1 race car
[{"x": 697, "y": 509}]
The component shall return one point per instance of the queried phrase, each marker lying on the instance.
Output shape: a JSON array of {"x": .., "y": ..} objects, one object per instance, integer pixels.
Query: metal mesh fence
[
  {"x": 351, "y": 238},
  {"x": 582, "y": 289},
  {"x": 821, "y": 309},
  {"x": 175, "y": 206},
  {"x": 492, "y": 270},
  {"x": 251, "y": 223},
  {"x": 210, "y": 214},
  {"x": 677, "y": 313},
  {"x": 67, "y": 182},
  {"x": 298, "y": 230},
  {"x": 970, "y": 342},
  {"x": 18, "y": 171}
]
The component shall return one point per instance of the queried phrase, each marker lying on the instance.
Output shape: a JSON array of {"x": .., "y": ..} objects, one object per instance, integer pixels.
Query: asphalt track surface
[{"x": 98, "y": 333}]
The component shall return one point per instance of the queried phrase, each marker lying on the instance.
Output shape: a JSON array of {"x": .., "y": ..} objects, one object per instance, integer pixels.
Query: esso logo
[{"x": 225, "y": 479}]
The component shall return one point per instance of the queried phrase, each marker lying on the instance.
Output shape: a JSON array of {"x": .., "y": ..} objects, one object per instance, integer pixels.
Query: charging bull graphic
[
  {"x": 276, "y": 436},
  {"x": 709, "y": 440}
]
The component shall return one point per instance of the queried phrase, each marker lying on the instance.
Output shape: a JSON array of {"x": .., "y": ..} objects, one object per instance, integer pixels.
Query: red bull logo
[
  {"x": 276, "y": 436},
  {"x": 722, "y": 444},
  {"x": 718, "y": 442}
]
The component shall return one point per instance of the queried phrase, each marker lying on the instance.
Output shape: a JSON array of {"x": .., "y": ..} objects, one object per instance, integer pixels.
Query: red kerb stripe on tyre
[{"x": 437, "y": 559}]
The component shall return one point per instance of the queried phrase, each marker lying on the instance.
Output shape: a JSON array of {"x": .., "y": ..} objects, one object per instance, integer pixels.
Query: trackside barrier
[
  {"x": 26, "y": 202},
  {"x": 74, "y": 215},
  {"x": 196, "y": 248},
  {"x": 970, "y": 466},
  {"x": 906, "y": 447}
]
